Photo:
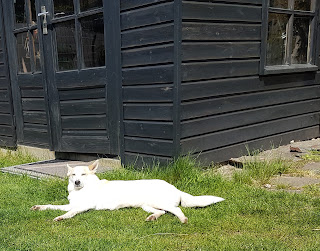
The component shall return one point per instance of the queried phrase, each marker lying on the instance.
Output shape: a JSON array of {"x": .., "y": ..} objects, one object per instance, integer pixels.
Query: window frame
[{"x": 312, "y": 64}]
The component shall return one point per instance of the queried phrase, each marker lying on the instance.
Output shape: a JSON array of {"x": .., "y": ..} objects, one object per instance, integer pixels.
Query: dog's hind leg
[
  {"x": 156, "y": 213},
  {"x": 177, "y": 212}
]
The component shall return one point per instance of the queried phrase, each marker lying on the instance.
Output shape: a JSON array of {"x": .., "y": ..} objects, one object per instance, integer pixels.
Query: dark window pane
[
  {"x": 23, "y": 52},
  {"x": 93, "y": 41},
  {"x": 302, "y": 5},
  {"x": 279, "y": 4},
  {"x": 66, "y": 46},
  {"x": 19, "y": 8},
  {"x": 300, "y": 41},
  {"x": 276, "y": 43},
  {"x": 90, "y": 4},
  {"x": 36, "y": 50},
  {"x": 63, "y": 7},
  {"x": 32, "y": 11}
]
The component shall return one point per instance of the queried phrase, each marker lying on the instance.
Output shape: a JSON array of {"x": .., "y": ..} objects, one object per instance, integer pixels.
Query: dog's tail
[{"x": 188, "y": 200}]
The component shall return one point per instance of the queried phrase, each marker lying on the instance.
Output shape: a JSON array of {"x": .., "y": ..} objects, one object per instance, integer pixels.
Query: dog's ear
[
  {"x": 94, "y": 166},
  {"x": 69, "y": 170}
]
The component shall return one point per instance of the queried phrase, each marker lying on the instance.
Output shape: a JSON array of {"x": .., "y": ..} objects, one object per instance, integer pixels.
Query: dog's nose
[{"x": 77, "y": 182}]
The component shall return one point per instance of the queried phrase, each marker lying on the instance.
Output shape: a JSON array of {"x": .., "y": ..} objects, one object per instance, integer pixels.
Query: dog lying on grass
[{"x": 87, "y": 191}]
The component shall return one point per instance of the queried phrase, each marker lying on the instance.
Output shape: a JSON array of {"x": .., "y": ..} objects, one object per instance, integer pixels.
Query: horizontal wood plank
[
  {"x": 32, "y": 93},
  {"x": 147, "y": 36},
  {"x": 237, "y": 150},
  {"x": 3, "y": 70},
  {"x": 147, "y": 75},
  {"x": 35, "y": 137},
  {"x": 31, "y": 80},
  {"x": 147, "y": 16},
  {"x": 78, "y": 94},
  {"x": 2, "y": 60},
  {"x": 33, "y": 104},
  {"x": 4, "y": 95},
  {"x": 100, "y": 133},
  {"x": 218, "y": 87},
  {"x": 243, "y": 134},
  {"x": 217, "y": 11},
  {"x": 252, "y": 2},
  {"x": 7, "y": 130},
  {"x": 243, "y": 118},
  {"x": 217, "y": 31},
  {"x": 83, "y": 107},
  {"x": 209, "y": 70},
  {"x": 129, "y": 4},
  {"x": 84, "y": 78},
  {"x": 219, "y": 50},
  {"x": 6, "y": 119},
  {"x": 35, "y": 117},
  {"x": 148, "y": 93},
  {"x": 90, "y": 122},
  {"x": 247, "y": 101},
  {"x": 160, "y": 112},
  {"x": 5, "y": 107},
  {"x": 148, "y": 146},
  {"x": 4, "y": 83},
  {"x": 89, "y": 144},
  {"x": 146, "y": 129},
  {"x": 148, "y": 56}
]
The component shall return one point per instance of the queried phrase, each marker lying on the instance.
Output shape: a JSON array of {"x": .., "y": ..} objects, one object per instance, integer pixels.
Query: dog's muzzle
[{"x": 77, "y": 182}]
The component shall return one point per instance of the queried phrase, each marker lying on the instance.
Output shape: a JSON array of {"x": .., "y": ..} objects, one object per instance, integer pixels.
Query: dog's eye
[{"x": 83, "y": 174}]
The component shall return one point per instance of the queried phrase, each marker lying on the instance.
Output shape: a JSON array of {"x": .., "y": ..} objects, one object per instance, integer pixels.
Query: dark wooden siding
[
  {"x": 147, "y": 78},
  {"x": 226, "y": 106},
  {"x": 7, "y": 128}
]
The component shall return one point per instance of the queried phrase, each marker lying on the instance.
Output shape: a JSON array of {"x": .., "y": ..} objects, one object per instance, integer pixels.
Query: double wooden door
[{"x": 57, "y": 55}]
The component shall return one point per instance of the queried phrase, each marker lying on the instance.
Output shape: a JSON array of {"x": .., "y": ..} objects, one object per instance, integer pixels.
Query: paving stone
[
  {"x": 291, "y": 152},
  {"x": 50, "y": 168},
  {"x": 227, "y": 171},
  {"x": 294, "y": 182},
  {"x": 313, "y": 167}
]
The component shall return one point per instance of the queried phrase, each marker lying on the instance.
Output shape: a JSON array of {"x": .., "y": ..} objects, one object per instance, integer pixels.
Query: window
[
  {"x": 289, "y": 38},
  {"x": 79, "y": 33},
  {"x": 27, "y": 39}
]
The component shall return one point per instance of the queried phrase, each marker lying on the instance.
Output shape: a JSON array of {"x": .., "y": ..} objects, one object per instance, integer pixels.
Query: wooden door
[
  {"x": 74, "y": 52},
  {"x": 62, "y": 89},
  {"x": 26, "y": 72}
]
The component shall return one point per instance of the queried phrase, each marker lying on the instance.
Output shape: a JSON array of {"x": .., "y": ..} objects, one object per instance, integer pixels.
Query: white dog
[{"x": 87, "y": 191}]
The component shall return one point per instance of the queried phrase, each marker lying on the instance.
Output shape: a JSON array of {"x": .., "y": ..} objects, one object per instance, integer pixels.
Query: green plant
[
  {"x": 312, "y": 155},
  {"x": 12, "y": 158}
]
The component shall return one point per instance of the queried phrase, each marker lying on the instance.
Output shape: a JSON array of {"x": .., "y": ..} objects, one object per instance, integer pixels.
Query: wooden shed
[{"x": 146, "y": 79}]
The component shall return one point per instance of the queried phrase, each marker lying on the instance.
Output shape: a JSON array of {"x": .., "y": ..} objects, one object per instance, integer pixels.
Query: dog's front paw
[
  {"x": 59, "y": 218},
  {"x": 38, "y": 207}
]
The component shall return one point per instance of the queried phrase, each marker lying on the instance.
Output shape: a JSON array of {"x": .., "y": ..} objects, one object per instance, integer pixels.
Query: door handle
[{"x": 44, "y": 14}]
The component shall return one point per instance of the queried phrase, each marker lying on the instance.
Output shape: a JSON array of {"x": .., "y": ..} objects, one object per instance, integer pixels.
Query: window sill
[{"x": 295, "y": 68}]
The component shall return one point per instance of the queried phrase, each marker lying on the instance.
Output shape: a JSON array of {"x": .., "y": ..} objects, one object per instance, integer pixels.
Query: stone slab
[
  {"x": 50, "y": 168},
  {"x": 291, "y": 152},
  {"x": 294, "y": 182}
]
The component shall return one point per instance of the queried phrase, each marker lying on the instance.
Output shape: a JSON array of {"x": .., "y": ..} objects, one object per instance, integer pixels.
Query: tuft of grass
[
  {"x": 12, "y": 158},
  {"x": 259, "y": 171},
  {"x": 312, "y": 156}
]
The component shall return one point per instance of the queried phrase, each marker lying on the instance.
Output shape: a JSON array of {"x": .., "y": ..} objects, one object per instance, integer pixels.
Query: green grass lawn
[{"x": 249, "y": 219}]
